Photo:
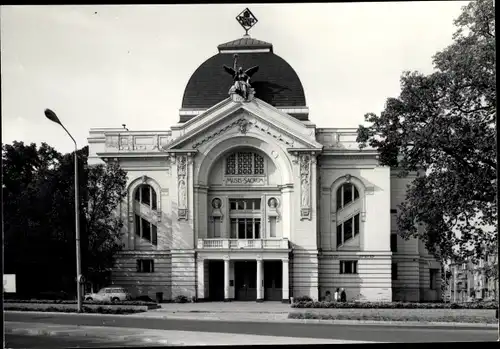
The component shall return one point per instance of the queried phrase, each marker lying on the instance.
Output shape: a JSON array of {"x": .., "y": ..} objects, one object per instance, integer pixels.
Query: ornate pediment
[{"x": 247, "y": 118}]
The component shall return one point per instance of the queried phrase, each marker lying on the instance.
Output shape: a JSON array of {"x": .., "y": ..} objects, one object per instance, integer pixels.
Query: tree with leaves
[
  {"x": 39, "y": 216},
  {"x": 104, "y": 192},
  {"x": 443, "y": 125}
]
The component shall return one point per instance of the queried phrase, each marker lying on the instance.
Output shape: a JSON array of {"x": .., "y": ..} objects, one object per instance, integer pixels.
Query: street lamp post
[{"x": 53, "y": 117}]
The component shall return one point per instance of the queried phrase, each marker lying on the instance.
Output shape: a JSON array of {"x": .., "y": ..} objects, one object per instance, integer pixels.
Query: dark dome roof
[{"x": 275, "y": 83}]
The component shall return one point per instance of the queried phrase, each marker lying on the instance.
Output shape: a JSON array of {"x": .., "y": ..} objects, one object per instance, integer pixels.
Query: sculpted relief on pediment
[{"x": 244, "y": 125}]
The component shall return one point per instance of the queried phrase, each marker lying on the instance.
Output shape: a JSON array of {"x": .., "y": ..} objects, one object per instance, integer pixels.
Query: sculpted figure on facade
[
  {"x": 182, "y": 189},
  {"x": 305, "y": 186},
  {"x": 241, "y": 79}
]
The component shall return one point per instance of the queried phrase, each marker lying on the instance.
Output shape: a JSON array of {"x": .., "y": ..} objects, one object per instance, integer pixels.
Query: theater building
[{"x": 246, "y": 199}]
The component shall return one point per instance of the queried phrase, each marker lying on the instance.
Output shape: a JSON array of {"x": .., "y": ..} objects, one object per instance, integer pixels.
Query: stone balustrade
[
  {"x": 137, "y": 141},
  {"x": 221, "y": 243}
]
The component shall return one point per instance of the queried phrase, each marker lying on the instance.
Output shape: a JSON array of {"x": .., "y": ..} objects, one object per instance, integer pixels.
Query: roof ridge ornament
[{"x": 247, "y": 20}]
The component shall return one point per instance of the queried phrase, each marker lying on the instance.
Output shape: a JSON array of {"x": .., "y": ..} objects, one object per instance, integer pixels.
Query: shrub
[
  {"x": 99, "y": 310},
  {"x": 180, "y": 299},
  {"x": 395, "y": 305},
  {"x": 380, "y": 317},
  {"x": 48, "y": 301}
]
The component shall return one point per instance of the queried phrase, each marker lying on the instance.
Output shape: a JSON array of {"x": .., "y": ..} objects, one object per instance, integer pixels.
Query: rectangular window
[
  {"x": 241, "y": 228},
  {"x": 153, "y": 199},
  {"x": 348, "y": 267},
  {"x": 137, "y": 225},
  {"x": 393, "y": 210},
  {"x": 339, "y": 235},
  {"x": 145, "y": 266},
  {"x": 272, "y": 227},
  {"x": 433, "y": 273},
  {"x": 256, "y": 204},
  {"x": 347, "y": 194},
  {"x": 234, "y": 228},
  {"x": 394, "y": 271},
  {"x": 249, "y": 228},
  {"x": 256, "y": 228},
  {"x": 146, "y": 229},
  {"x": 394, "y": 242},
  {"x": 348, "y": 229},
  {"x": 217, "y": 225},
  {"x": 232, "y": 205},
  {"x": 154, "y": 239},
  {"x": 240, "y": 205},
  {"x": 356, "y": 224},
  {"x": 146, "y": 198}
]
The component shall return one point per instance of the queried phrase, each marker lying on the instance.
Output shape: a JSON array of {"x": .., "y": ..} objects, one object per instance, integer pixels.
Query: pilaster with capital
[
  {"x": 182, "y": 187},
  {"x": 305, "y": 186},
  {"x": 190, "y": 198}
]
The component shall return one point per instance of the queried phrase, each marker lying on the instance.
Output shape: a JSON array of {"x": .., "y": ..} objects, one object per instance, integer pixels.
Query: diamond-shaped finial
[{"x": 247, "y": 20}]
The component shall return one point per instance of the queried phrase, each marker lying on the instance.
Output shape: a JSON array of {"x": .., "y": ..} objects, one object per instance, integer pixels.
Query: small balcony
[{"x": 239, "y": 244}]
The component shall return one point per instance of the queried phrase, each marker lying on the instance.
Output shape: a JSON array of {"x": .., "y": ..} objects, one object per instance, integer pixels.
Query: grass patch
[{"x": 390, "y": 317}]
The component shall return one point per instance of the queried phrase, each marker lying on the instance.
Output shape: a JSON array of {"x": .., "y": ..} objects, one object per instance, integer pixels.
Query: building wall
[
  {"x": 125, "y": 273},
  {"x": 371, "y": 249},
  {"x": 315, "y": 260}
]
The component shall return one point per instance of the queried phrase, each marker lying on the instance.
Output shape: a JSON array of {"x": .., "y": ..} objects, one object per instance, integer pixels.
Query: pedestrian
[
  {"x": 328, "y": 296},
  {"x": 336, "y": 295},
  {"x": 343, "y": 296}
]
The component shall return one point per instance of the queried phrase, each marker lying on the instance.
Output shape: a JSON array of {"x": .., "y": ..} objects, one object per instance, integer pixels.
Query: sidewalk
[
  {"x": 269, "y": 312},
  {"x": 158, "y": 337}
]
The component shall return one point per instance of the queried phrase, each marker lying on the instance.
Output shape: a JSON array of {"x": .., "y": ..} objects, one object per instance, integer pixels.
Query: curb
[{"x": 303, "y": 321}]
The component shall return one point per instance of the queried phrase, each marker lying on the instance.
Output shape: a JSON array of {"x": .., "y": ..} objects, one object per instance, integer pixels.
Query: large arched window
[
  {"x": 244, "y": 163},
  {"x": 144, "y": 226},
  {"x": 146, "y": 195},
  {"x": 346, "y": 194}
]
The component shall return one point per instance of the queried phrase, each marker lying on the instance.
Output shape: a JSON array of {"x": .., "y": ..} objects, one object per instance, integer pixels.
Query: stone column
[
  {"x": 200, "y": 275},
  {"x": 226, "y": 279},
  {"x": 260, "y": 280},
  {"x": 286, "y": 282}
]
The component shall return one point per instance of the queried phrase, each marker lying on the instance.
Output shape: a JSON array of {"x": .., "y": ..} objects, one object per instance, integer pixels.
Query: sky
[{"x": 104, "y": 66}]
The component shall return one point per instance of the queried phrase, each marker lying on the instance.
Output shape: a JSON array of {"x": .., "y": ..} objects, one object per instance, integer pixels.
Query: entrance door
[
  {"x": 273, "y": 280},
  {"x": 245, "y": 273},
  {"x": 216, "y": 281}
]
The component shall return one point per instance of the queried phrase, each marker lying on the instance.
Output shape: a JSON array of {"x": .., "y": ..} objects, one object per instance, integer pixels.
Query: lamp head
[{"x": 52, "y": 116}]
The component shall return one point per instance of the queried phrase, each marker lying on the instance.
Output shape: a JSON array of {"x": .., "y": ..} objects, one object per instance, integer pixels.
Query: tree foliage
[
  {"x": 105, "y": 191},
  {"x": 444, "y": 124},
  {"x": 39, "y": 215}
]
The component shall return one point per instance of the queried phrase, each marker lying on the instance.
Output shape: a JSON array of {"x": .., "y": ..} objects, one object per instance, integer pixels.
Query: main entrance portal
[
  {"x": 245, "y": 273},
  {"x": 273, "y": 280},
  {"x": 216, "y": 280}
]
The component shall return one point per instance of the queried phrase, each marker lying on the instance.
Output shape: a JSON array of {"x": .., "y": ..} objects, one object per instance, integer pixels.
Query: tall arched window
[
  {"x": 144, "y": 226},
  {"x": 146, "y": 195},
  {"x": 346, "y": 194},
  {"x": 244, "y": 163}
]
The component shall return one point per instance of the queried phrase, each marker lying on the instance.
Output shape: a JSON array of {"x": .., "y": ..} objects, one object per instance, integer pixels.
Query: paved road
[{"x": 359, "y": 332}]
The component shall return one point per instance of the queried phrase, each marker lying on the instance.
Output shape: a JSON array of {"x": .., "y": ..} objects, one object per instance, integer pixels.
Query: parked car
[{"x": 113, "y": 294}]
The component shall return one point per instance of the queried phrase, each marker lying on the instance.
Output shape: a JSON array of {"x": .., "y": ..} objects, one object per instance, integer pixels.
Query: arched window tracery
[{"x": 244, "y": 163}]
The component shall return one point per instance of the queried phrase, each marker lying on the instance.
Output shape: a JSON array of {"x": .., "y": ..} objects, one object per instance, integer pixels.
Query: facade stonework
[{"x": 245, "y": 200}]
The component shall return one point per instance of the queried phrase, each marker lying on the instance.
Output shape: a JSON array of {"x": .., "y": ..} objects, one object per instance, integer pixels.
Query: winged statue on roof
[{"x": 241, "y": 79}]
